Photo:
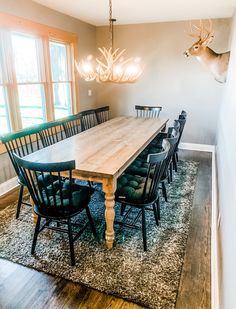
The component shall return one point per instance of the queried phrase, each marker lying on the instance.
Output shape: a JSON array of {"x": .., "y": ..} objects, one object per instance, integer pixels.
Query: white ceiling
[{"x": 95, "y": 12}]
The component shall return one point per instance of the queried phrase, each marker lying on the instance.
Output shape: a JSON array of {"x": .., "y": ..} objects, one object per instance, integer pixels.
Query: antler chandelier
[{"x": 111, "y": 65}]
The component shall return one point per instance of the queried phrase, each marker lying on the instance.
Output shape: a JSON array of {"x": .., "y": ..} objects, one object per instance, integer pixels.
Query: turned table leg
[{"x": 109, "y": 188}]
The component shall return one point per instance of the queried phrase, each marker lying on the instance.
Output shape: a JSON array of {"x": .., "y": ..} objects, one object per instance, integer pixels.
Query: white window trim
[{"x": 11, "y": 23}]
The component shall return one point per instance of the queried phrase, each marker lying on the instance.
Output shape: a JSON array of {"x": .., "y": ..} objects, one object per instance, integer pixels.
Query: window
[
  {"x": 5, "y": 126},
  {"x": 30, "y": 86},
  {"x": 61, "y": 79},
  {"x": 4, "y": 115},
  {"x": 37, "y": 83}
]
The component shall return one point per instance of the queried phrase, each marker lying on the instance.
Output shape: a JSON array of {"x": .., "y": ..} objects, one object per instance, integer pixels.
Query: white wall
[
  {"x": 226, "y": 155},
  {"x": 169, "y": 79}
]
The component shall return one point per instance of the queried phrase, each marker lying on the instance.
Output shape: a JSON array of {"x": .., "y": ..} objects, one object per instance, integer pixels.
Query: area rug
[{"x": 150, "y": 278}]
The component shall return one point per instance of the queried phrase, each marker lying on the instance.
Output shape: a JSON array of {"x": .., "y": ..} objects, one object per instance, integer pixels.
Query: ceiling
[{"x": 95, "y": 12}]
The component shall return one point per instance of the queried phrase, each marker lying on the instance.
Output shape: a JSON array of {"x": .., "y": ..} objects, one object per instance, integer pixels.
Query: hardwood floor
[{"x": 25, "y": 288}]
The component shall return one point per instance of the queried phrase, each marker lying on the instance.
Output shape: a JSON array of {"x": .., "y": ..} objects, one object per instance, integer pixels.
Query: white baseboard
[
  {"x": 197, "y": 147},
  {"x": 215, "y": 297},
  {"x": 8, "y": 185}
]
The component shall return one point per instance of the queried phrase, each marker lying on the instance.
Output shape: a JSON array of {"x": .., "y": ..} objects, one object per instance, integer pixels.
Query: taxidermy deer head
[{"x": 217, "y": 63}]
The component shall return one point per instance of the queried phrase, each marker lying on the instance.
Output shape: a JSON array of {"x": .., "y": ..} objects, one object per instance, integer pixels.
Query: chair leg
[
  {"x": 144, "y": 230},
  {"x": 168, "y": 177},
  {"x": 164, "y": 190},
  {"x": 155, "y": 214},
  {"x": 122, "y": 209},
  {"x": 36, "y": 232},
  {"x": 72, "y": 253},
  {"x": 158, "y": 209},
  {"x": 175, "y": 163},
  {"x": 19, "y": 201},
  {"x": 91, "y": 222},
  {"x": 171, "y": 172}
]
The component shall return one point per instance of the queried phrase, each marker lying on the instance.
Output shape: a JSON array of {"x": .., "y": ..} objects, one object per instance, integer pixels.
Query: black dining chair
[
  {"x": 88, "y": 119},
  {"x": 22, "y": 143},
  {"x": 102, "y": 114},
  {"x": 140, "y": 166},
  {"x": 142, "y": 192},
  {"x": 182, "y": 121},
  {"x": 72, "y": 124},
  {"x": 51, "y": 132},
  {"x": 145, "y": 111},
  {"x": 183, "y": 114},
  {"x": 56, "y": 201}
]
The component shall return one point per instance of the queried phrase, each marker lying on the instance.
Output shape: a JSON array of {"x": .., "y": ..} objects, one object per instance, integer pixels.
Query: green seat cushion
[
  {"x": 130, "y": 188},
  {"x": 55, "y": 206},
  {"x": 138, "y": 167},
  {"x": 151, "y": 148}
]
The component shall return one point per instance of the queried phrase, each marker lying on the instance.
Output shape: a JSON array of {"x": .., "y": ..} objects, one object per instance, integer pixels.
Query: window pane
[
  {"x": 59, "y": 64},
  {"x": 31, "y": 101},
  {"x": 4, "y": 117},
  {"x": 62, "y": 99},
  {"x": 25, "y": 58},
  {"x": 1, "y": 58},
  {"x": 1, "y": 77}
]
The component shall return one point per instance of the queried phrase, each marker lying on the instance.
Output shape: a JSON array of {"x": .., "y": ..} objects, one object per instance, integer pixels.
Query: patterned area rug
[{"x": 148, "y": 278}]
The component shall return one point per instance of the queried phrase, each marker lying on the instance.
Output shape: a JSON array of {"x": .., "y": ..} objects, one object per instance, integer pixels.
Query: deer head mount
[{"x": 217, "y": 63}]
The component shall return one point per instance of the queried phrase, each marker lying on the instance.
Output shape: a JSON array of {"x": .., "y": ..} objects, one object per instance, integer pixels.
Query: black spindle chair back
[
  {"x": 51, "y": 133},
  {"x": 148, "y": 111},
  {"x": 56, "y": 200},
  {"x": 157, "y": 165},
  {"x": 182, "y": 121},
  {"x": 47, "y": 194},
  {"x": 22, "y": 143},
  {"x": 88, "y": 119},
  {"x": 172, "y": 138},
  {"x": 102, "y": 114},
  {"x": 72, "y": 125}
]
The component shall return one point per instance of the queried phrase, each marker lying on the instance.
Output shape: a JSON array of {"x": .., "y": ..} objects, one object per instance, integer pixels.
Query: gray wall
[
  {"x": 226, "y": 154},
  {"x": 169, "y": 79},
  {"x": 86, "y": 44}
]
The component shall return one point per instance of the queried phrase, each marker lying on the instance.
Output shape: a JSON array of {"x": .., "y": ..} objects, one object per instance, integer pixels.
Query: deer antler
[
  {"x": 201, "y": 29},
  {"x": 208, "y": 32}
]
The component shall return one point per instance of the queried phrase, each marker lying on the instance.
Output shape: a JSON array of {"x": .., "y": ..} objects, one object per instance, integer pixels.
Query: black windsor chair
[
  {"x": 142, "y": 192},
  {"x": 182, "y": 121},
  {"x": 140, "y": 166},
  {"x": 56, "y": 200}
]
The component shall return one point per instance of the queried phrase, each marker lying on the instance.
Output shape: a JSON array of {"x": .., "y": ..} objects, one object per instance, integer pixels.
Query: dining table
[{"x": 102, "y": 153}]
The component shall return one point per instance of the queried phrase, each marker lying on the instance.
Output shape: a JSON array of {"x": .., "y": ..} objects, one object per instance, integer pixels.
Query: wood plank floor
[{"x": 25, "y": 288}]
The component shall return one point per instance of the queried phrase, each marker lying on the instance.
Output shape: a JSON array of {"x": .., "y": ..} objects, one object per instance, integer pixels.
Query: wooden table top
[{"x": 106, "y": 149}]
